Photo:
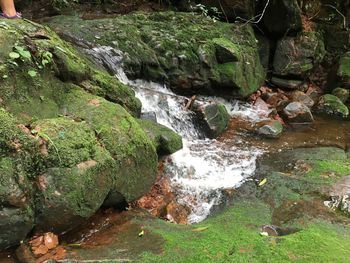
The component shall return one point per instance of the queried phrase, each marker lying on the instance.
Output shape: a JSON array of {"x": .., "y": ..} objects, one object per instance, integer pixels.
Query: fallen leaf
[
  {"x": 142, "y": 233},
  {"x": 200, "y": 229},
  {"x": 264, "y": 181}
]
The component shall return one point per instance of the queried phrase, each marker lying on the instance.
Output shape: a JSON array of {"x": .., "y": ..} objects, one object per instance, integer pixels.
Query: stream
[{"x": 204, "y": 168}]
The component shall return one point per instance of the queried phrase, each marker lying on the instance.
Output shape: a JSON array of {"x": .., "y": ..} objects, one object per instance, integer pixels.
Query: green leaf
[
  {"x": 264, "y": 181},
  {"x": 19, "y": 49},
  {"x": 25, "y": 54},
  {"x": 32, "y": 73},
  {"x": 14, "y": 55}
]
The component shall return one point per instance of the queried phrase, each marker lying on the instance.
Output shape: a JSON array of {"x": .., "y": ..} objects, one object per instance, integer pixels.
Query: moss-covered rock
[
  {"x": 68, "y": 136},
  {"x": 297, "y": 56},
  {"x": 190, "y": 52},
  {"x": 216, "y": 118},
  {"x": 166, "y": 140},
  {"x": 344, "y": 67},
  {"x": 342, "y": 94},
  {"x": 332, "y": 105}
]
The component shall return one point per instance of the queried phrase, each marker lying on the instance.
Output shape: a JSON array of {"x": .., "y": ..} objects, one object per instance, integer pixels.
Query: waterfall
[{"x": 204, "y": 168}]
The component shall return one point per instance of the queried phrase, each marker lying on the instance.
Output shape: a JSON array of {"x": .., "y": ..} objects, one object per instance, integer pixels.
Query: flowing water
[{"x": 204, "y": 168}]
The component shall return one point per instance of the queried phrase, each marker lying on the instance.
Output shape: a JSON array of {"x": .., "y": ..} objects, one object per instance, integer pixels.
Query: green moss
[
  {"x": 234, "y": 236},
  {"x": 68, "y": 143},
  {"x": 329, "y": 168},
  {"x": 121, "y": 135},
  {"x": 344, "y": 66}
]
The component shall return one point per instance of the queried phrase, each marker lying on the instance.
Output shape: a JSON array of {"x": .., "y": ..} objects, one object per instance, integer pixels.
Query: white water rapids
[{"x": 204, "y": 168}]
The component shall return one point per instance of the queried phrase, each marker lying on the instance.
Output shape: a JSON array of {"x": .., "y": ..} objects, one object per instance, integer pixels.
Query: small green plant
[
  {"x": 21, "y": 53},
  {"x": 211, "y": 12}
]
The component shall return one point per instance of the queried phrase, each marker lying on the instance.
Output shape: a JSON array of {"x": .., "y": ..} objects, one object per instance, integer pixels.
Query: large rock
[
  {"x": 297, "y": 56},
  {"x": 68, "y": 130},
  {"x": 216, "y": 118},
  {"x": 190, "y": 52},
  {"x": 282, "y": 17}
]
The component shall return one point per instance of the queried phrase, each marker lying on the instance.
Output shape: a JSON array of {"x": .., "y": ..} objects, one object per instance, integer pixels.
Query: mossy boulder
[
  {"x": 344, "y": 68},
  {"x": 342, "y": 94},
  {"x": 68, "y": 135},
  {"x": 190, "y": 52},
  {"x": 297, "y": 56},
  {"x": 76, "y": 174},
  {"x": 332, "y": 105},
  {"x": 166, "y": 140}
]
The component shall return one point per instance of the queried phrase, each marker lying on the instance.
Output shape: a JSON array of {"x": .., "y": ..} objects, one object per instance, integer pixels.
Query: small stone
[
  {"x": 300, "y": 96},
  {"x": 271, "y": 129},
  {"x": 286, "y": 83},
  {"x": 50, "y": 240},
  {"x": 297, "y": 112},
  {"x": 41, "y": 250},
  {"x": 342, "y": 94}
]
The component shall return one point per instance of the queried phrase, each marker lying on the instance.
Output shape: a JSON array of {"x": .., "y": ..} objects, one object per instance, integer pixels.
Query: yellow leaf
[
  {"x": 141, "y": 233},
  {"x": 200, "y": 229},
  {"x": 264, "y": 181}
]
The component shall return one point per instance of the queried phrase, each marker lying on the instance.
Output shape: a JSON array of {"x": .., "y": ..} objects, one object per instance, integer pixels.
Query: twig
[
  {"x": 223, "y": 11},
  {"x": 260, "y": 15},
  {"x": 340, "y": 13}
]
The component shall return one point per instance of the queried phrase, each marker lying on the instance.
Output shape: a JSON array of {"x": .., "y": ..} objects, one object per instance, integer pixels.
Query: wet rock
[
  {"x": 216, "y": 117},
  {"x": 344, "y": 68},
  {"x": 271, "y": 129},
  {"x": 299, "y": 96},
  {"x": 165, "y": 140},
  {"x": 177, "y": 213},
  {"x": 24, "y": 254},
  {"x": 342, "y": 94},
  {"x": 277, "y": 100},
  {"x": 194, "y": 55},
  {"x": 332, "y": 105},
  {"x": 297, "y": 56},
  {"x": 282, "y": 17},
  {"x": 149, "y": 116},
  {"x": 286, "y": 83},
  {"x": 298, "y": 113}
]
